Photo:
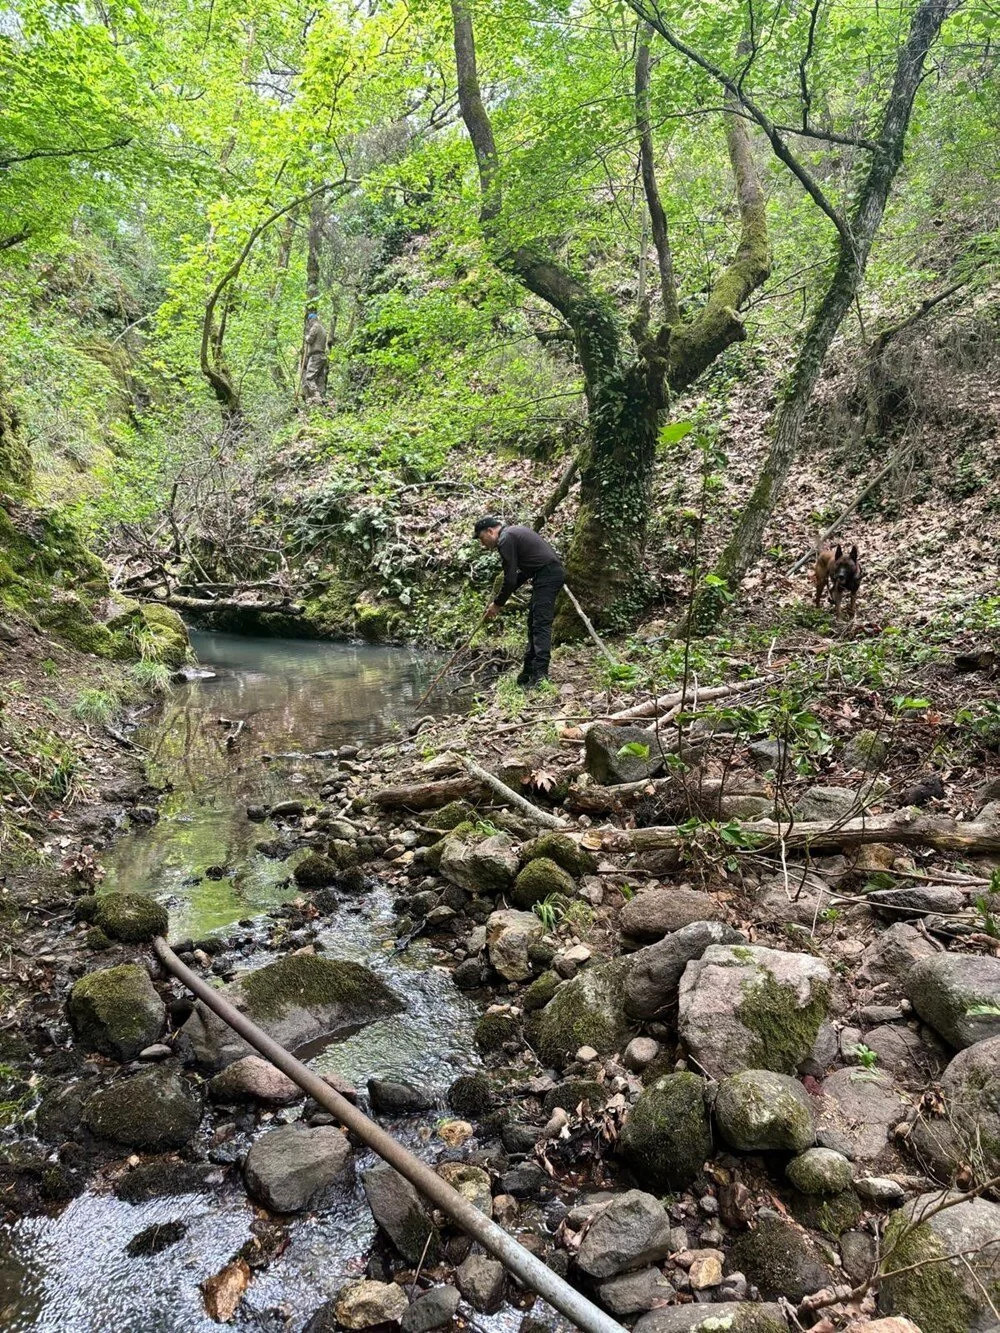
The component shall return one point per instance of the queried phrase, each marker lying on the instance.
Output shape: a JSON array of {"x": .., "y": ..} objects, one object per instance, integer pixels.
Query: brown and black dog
[{"x": 843, "y": 574}]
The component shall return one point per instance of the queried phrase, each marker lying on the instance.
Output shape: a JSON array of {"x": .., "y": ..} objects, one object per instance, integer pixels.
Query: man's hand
[{"x": 491, "y": 612}]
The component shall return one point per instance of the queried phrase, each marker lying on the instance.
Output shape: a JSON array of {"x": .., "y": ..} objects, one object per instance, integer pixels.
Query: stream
[{"x": 70, "y": 1272}]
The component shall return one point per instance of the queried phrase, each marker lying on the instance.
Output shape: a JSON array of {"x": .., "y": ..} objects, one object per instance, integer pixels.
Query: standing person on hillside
[
  {"x": 526, "y": 557},
  {"x": 315, "y": 363}
]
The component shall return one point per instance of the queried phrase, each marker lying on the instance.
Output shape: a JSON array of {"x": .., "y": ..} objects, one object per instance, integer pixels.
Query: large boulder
[
  {"x": 484, "y": 864},
  {"x": 287, "y": 1168},
  {"x": 154, "y": 1110},
  {"x": 296, "y": 1000},
  {"x": 654, "y": 973},
  {"x": 780, "y": 1259},
  {"x": 668, "y": 1135},
  {"x": 509, "y": 936},
  {"x": 827, "y": 804},
  {"x": 631, "y": 1232},
  {"x": 746, "y": 1007},
  {"x": 858, "y": 1110},
  {"x": 156, "y": 632},
  {"x": 724, "y": 1317},
  {"x": 657, "y": 912},
  {"x": 116, "y": 1011},
  {"x": 967, "y": 1130},
  {"x": 587, "y": 1011},
  {"x": 540, "y": 879},
  {"x": 758, "y": 1110},
  {"x": 399, "y": 1211},
  {"x": 621, "y": 754},
  {"x": 130, "y": 917},
  {"x": 942, "y": 1271},
  {"x": 958, "y": 995}
]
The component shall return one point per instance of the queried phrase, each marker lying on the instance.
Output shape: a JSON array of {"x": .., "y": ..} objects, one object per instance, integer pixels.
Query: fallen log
[
  {"x": 943, "y": 835},
  {"x": 201, "y": 605},
  {"x": 677, "y": 697},
  {"x": 702, "y": 797},
  {"x": 511, "y": 797},
  {"x": 428, "y": 795}
]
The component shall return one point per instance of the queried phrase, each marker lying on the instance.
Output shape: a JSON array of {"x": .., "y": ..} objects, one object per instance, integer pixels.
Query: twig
[
  {"x": 589, "y": 627},
  {"x": 510, "y": 796}
]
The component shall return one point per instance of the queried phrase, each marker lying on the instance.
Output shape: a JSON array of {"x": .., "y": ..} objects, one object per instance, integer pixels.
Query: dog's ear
[
  {"x": 838, "y": 553},
  {"x": 854, "y": 554}
]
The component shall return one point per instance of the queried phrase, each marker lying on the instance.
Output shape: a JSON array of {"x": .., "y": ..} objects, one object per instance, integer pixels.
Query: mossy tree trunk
[
  {"x": 15, "y": 458},
  {"x": 628, "y": 374}
]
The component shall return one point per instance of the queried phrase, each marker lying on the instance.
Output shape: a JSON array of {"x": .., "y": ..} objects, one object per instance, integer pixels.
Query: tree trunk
[
  {"x": 854, "y": 244},
  {"x": 279, "y": 371}
]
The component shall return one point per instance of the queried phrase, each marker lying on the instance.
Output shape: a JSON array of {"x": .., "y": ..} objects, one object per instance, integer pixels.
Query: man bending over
[{"x": 526, "y": 557}]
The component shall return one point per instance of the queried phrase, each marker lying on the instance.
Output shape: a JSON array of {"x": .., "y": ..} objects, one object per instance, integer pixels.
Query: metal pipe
[{"x": 521, "y": 1262}]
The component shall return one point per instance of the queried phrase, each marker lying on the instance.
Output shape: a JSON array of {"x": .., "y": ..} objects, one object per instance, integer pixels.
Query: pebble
[
  {"x": 881, "y": 1190},
  {"x": 585, "y": 1054},
  {"x": 640, "y": 1052},
  {"x": 158, "y": 1051},
  {"x": 706, "y": 1269}
]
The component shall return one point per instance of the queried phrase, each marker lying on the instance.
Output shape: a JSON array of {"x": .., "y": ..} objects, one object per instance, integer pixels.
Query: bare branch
[
  {"x": 657, "y": 217},
  {"x": 84, "y": 151}
]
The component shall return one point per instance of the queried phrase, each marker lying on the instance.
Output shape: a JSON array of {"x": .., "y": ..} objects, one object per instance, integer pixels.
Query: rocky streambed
[{"x": 762, "y": 1100}]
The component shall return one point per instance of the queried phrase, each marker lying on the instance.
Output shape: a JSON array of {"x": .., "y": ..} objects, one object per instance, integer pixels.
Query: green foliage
[
  {"x": 865, "y": 1056},
  {"x": 634, "y": 749},
  {"x": 551, "y": 910},
  {"x": 95, "y": 706}
]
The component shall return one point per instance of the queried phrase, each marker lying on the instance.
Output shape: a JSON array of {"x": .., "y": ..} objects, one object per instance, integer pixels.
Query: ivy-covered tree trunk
[{"x": 15, "y": 458}]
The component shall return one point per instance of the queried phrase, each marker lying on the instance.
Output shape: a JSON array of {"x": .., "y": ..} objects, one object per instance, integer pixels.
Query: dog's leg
[
  {"x": 854, "y": 602},
  {"x": 820, "y": 578},
  {"x": 838, "y": 593}
]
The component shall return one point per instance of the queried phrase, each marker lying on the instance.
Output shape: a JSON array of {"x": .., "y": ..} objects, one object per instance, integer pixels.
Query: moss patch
[
  {"x": 832, "y": 1214},
  {"x": 783, "y": 1030},
  {"x": 565, "y": 851},
  {"x": 315, "y": 871},
  {"x": 471, "y": 1095},
  {"x": 116, "y": 1011},
  {"x": 493, "y": 1031},
  {"x": 308, "y": 982},
  {"x": 931, "y": 1293},
  {"x": 154, "y": 1110},
  {"x": 540, "y": 878},
  {"x": 587, "y": 1011},
  {"x": 540, "y": 991},
  {"x": 451, "y": 815}
]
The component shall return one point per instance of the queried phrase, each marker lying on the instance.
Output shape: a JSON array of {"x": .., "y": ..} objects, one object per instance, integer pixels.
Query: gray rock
[
  {"x": 655, "y": 972},
  {"x": 827, "y": 804},
  {"x": 116, "y": 1011},
  {"x": 657, "y": 912},
  {"x": 287, "y": 1168},
  {"x": 607, "y": 764},
  {"x": 509, "y": 935},
  {"x": 253, "y": 1079},
  {"x": 389, "y": 1098},
  {"x": 640, "y": 1052},
  {"x": 767, "y": 756},
  {"x": 881, "y": 1191},
  {"x": 631, "y": 1232},
  {"x": 858, "y": 1109},
  {"x": 483, "y": 865},
  {"x": 958, "y": 995},
  {"x": 296, "y": 1000},
  {"x": 730, "y": 1316},
  {"x": 866, "y": 751},
  {"x": 779, "y": 1259},
  {"x": 746, "y": 1007},
  {"x": 632, "y": 1293},
  {"x": 759, "y": 1110},
  {"x": 433, "y": 1309},
  {"x": 905, "y": 1054},
  {"x": 400, "y": 1213},
  {"x": 942, "y": 1294},
  {"x": 859, "y": 1254},
  {"x": 155, "y": 1110},
  {"x": 668, "y": 1135},
  {"x": 889, "y": 958},
  {"x": 916, "y": 900},
  {"x": 824, "y": 1051},
  {"x": 481, "y": 1282},
  {"x": 968, "y": 1130},
  {"x": 820, "y": 1171}
]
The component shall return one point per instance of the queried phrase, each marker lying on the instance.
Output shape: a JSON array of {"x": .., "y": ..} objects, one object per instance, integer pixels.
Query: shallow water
[{"x": 70, "y": 1272}]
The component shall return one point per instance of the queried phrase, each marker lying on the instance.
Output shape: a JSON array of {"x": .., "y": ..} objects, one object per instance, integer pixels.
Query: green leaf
[{"x": 634, "y": 750}]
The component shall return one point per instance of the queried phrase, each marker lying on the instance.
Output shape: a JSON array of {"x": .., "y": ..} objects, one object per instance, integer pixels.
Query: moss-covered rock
[
  {"x": 569, "y": 1094},
  {"x": 451, "y": 815},
  {"x": 494, "y": 1031},
  {"x": 298, "y": 999},
  {"x": 940, "y": 1294},
  {"x": 471, "y": 1095},
  {"x": 479, "y": 860},
  {"x": 830, "y": 1213},
  {"x": 97, "y": 940},
  {"x": 587, "y": 1011},
  {"x": 116, "y": 1011},
  {"x": 67, "y": 615},
  {"x": 760, "y": 1111},
  {"x": 780, "y": 1260},
  {"x": 130, "y": 917},
  {"x": 153, "y": 1110},
  {"x": 668, "y": 1135},
  {"x": 820, "y": 1171},
  {"x": 540, "y": 879},
  {"x": 315, "y": 871},
  {"x": 540, "y": 991},
  {"x": 564, "y": 850},
  {"x": 374, "y": 622}
]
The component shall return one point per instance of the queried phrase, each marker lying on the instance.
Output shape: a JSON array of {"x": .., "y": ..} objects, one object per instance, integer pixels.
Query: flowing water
[{"x": 70, "y": 1272}]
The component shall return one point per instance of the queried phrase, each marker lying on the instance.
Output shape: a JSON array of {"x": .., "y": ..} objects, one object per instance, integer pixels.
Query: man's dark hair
[{"x": 485, "y": 523}]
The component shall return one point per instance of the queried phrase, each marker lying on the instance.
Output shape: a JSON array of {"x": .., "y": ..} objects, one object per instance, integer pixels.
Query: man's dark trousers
[{"x": 545, "y": 585}]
